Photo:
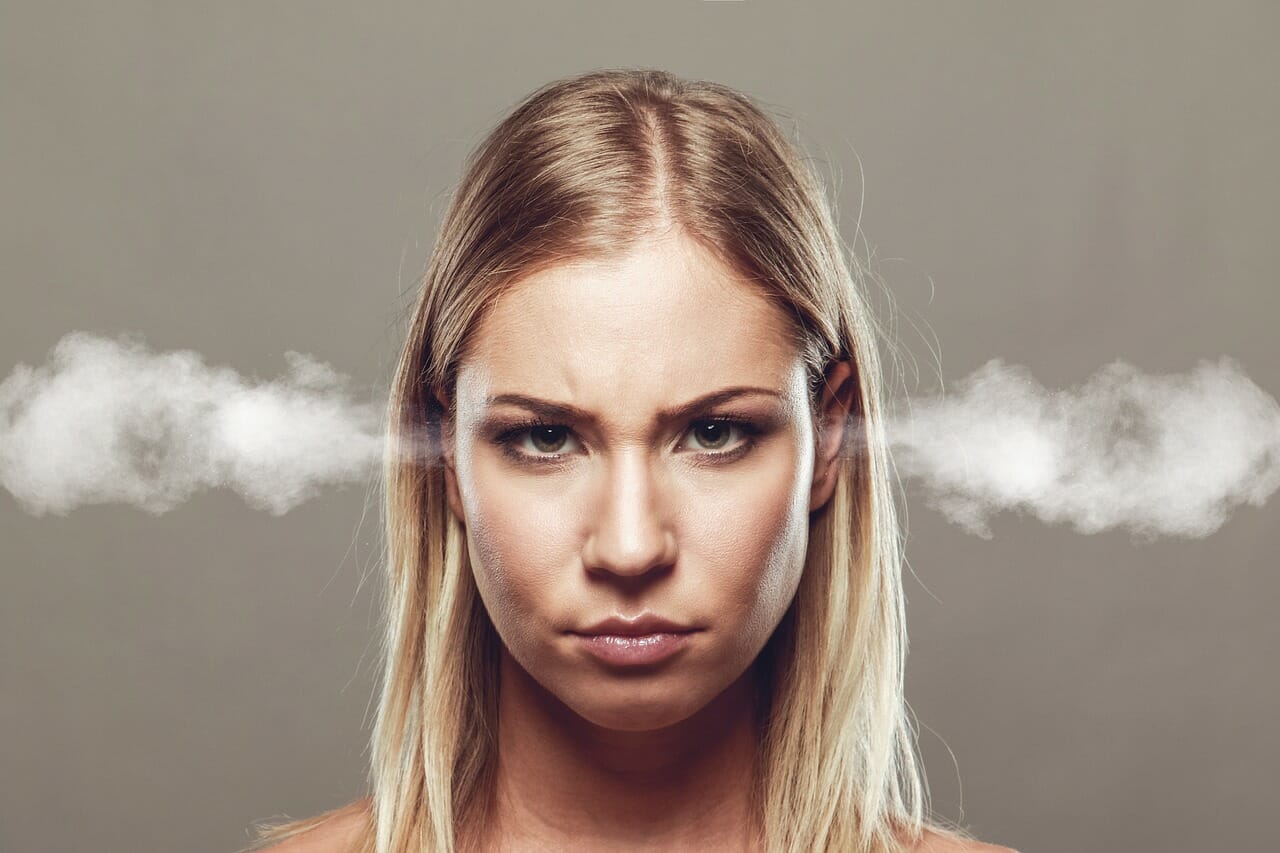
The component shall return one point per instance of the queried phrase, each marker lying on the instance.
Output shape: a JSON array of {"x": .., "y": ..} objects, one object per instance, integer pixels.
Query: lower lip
[{"x": 633, "y": 650}]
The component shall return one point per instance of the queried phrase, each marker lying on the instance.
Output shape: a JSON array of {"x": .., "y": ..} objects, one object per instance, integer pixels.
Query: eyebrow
[{"x": 564, "y": 411}]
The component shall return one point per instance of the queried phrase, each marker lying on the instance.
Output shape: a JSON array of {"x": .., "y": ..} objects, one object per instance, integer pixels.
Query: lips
[
  {"x": 641, "y": 640},
  {"x": 620, "y": 650},
  {"x": 636, "y": 626}
]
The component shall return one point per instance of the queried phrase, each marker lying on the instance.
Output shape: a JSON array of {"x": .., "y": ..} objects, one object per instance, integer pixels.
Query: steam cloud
[
  {"x": 107, "y": 420},
  {"x": 1159, "y": 455}
]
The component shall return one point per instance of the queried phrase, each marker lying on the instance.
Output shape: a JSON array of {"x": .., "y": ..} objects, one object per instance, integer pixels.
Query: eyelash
[{"x": 507, "y": 441}]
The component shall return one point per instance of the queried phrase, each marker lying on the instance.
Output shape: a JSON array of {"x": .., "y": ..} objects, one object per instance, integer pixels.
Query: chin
[{"x": 632, "y": 713}]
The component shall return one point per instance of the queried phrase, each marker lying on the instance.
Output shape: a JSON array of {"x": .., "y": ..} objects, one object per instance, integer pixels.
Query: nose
[{"x": 630, "y": 535}]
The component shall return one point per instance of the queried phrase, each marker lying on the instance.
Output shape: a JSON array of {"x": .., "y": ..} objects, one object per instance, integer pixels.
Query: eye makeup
[{"x": 509, "y": 435}]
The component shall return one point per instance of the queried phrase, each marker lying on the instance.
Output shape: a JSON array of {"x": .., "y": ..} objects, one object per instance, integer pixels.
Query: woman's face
[{"x": 631, "y": 438}]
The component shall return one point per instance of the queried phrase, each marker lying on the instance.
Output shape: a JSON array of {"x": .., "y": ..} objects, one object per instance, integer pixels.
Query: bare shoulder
[
  {"x": 933, "y": 842},
  {"x": 337, "y": 834}
]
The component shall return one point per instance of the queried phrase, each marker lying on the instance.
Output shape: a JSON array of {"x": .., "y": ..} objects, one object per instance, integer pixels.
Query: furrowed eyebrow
[{"x": 562, "y": 411}]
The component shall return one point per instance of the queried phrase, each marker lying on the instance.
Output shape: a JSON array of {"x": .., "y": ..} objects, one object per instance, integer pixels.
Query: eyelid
[
  {"x": 748, "y": 429},
  {"x": 507, "y": 437}
]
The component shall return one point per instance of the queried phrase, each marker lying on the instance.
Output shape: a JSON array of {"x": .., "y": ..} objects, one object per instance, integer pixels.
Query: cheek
[
  {"x": 753, "y": 548},
  {"x": 518, "y": 539}
]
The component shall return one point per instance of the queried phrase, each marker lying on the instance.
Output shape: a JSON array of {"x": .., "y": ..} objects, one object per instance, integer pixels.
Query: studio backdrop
[{"x": 1071, "y": 212}]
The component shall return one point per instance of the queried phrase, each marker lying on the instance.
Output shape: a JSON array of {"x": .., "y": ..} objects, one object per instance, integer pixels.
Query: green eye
[
  {"x": 713, "y": 435},
  {"x": 540, "y": 443},
  {"x": 548, "y": 439},
  {"x": 714, "y": 438}
]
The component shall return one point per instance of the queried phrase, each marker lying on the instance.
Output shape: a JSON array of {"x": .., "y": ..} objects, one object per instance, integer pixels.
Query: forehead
[{"x": 664, "y": 323}]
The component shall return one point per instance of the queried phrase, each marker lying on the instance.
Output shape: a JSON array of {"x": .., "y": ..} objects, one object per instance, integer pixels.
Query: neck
[{"x": 570, "y": 784}]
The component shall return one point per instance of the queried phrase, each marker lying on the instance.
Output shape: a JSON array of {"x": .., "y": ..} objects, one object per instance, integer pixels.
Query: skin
[
  {"x": 634, "y": 513},
  {"x": 592, "y": 758}
]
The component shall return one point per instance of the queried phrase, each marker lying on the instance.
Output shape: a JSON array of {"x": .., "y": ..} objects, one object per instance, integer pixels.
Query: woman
[{"x": 644, "y": 562}]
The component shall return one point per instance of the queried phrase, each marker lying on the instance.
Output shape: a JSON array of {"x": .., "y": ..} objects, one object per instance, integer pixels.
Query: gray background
[{"x": 1058, "y": 187}]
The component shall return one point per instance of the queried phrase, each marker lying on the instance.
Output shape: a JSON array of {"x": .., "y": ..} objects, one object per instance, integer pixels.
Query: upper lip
[{"x": 645, "y": 623}]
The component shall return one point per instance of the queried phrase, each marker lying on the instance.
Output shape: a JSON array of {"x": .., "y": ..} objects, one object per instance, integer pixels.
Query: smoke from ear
[
  {"x": 109, "y": 421},
  {"x": 1158, "y": 455}
]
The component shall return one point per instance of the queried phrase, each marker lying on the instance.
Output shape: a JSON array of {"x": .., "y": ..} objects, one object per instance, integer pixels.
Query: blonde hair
[{"x": 589, "y": 167}]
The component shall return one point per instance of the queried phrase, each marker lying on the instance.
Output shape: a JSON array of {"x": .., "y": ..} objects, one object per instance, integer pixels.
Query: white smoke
[
  {"x": 1165, "y": 455},
  {"x": 107, "y": 420}
]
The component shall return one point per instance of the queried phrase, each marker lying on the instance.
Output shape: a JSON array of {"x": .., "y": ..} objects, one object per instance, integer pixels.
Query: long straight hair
[{"x": 589, "y": 167}]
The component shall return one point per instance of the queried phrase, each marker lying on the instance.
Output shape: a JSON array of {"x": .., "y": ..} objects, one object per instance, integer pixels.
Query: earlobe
[
  {"x": 451, "y": 490},
  {"x": 446, "y": 438},
  {"x": 834, "y": 405},
  {"x": 824, "y": 485}
]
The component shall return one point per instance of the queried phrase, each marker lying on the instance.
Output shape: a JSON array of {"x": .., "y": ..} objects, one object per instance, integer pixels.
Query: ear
[
  {"x": 837, "y": 398},
  {"x": 447, "y": 456}
]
